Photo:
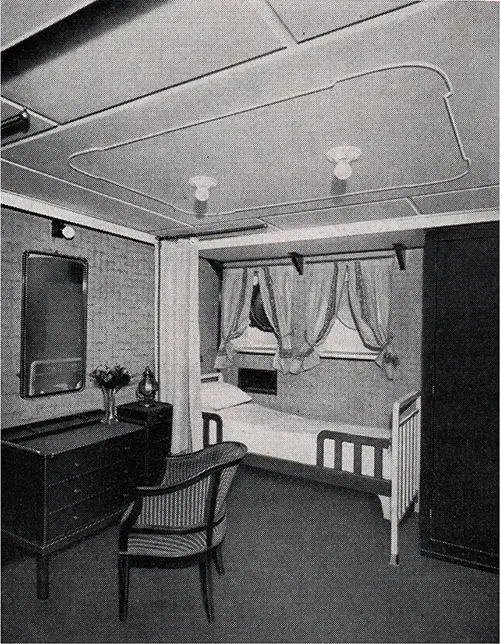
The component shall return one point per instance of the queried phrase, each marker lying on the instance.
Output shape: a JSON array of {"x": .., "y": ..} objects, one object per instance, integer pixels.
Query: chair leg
[
  {"x": 206, "y": 587},
  {"x": 219, "y": 561},
  {"x": 123, "y": 584}
]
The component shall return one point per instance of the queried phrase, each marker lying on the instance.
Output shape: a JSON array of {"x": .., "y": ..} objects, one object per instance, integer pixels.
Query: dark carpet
[{"x": 304, "y": 563}]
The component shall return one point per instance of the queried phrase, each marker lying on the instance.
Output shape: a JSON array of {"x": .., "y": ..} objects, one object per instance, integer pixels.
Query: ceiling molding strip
[
  {"x": 274, "y": 22},
  {"x": 335, "y": 231},
  {"x": 316, "y": 90},
  {"x": 34, "y": 206}
]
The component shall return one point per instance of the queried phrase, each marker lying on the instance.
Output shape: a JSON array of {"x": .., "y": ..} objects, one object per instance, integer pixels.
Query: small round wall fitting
[{"x": 60, "y": 229}]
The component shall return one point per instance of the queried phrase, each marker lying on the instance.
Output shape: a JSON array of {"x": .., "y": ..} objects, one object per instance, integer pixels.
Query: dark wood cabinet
[
  {"x": 460, "y": 423},
  {"x": 67, "y": 478},
  {"x": 157, "y": 421}
]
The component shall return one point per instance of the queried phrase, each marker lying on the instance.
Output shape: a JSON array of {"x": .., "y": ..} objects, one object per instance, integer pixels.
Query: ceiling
[{"x": 129, "y": 100}]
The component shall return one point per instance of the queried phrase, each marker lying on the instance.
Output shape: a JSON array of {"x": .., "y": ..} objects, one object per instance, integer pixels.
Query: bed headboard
[{"x": 215, "y": 376}]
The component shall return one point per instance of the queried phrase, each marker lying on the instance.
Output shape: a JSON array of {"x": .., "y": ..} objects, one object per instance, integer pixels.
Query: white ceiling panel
[
  {"x": 155, "y": 92},
  {"x": 329, "y": 216},
  {"x": 96, "y": 59},
  {"x": 21, "y": 181},
  {"x": 23, "y": 19},
  {"x": 476, "y": 199},
  {"x": 407, "y": 120},
  {"x": 309, "y": 18}
]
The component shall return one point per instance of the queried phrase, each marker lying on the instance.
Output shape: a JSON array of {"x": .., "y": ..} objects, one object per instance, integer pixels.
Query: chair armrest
[{"x": 207, "y": 417}]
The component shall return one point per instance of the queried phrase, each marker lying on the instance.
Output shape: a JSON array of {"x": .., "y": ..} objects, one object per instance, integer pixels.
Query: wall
[
  {"x": 120, "y": 325},
  {"x": 354, "y": 391}
]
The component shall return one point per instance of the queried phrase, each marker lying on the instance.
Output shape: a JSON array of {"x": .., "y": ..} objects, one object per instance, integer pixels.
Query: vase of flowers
[{"x": 110, "y": 380}]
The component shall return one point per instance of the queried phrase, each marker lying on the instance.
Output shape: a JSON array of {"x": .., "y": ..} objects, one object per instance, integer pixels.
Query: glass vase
[{"x": 109, "y": 397}]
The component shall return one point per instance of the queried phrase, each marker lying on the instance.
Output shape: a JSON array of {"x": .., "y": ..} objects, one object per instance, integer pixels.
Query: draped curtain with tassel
[
  {"x": 370, "y": 300},
  {"x": 179, "y": 342},
  {"x": 323, "y": 283},
  {"x": 237, "y": 285},
  {"x": 276, "y": 287}
]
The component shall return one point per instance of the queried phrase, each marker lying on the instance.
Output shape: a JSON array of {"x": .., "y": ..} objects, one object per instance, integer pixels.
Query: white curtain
[
  {"x": 276, "y": 287},
  {"x": 179, "y": 342},
  {"x": 236, "y": 296},
  {"x": 370, "y": 299},
  {"x": 323, "y": 284}
]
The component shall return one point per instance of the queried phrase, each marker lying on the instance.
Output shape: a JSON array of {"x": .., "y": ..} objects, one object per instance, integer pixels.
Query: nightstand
[{"x": 157, "y": 420}]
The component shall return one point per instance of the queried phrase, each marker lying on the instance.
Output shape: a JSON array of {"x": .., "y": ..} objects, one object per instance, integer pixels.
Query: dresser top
[{"x": 76, "y": 437}]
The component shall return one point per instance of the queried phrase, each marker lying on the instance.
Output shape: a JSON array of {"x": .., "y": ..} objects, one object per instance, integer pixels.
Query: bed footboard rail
[
  {"x": 405, "y": 464},
  {"x": 209, "y": 417},
  {"x": 356, "y": 479}
]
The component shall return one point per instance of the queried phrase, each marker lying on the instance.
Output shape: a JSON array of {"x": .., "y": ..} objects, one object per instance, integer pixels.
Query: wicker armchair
[{"x": 182, "y": 520}]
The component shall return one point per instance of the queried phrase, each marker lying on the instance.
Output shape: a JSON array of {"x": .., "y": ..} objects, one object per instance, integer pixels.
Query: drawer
[
  {"x": 87, "y": 459},
  {"x": 120, "y": 477},
  {"x": 79, "y": 515}
]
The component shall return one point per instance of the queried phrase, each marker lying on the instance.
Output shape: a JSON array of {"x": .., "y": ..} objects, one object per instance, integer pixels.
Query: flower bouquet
[{"x": 110, "y": 380}]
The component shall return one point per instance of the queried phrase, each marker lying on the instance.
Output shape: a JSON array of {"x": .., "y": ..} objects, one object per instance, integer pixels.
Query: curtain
[
  {"x": 370, "y": 300},
  {"x": 237, "y": 285},
  {"x": 179, "y": 342},
  {"x": 276, "y": 287},
  {"x": 323, "y": 284}
]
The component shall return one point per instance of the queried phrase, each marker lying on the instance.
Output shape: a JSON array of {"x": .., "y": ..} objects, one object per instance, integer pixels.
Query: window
[{"x": 343, "y": 341}]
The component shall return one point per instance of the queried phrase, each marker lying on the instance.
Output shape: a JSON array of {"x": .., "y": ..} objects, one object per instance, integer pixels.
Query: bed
[{"x": 382, "y": 461}]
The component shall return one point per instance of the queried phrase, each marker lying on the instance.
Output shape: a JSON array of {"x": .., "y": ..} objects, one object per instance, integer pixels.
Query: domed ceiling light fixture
[
  {"x": 343, "y": 156},
  {"x": 203, "y": 186}
]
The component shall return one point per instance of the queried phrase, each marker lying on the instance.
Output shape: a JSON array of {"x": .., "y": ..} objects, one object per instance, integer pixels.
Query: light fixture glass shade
[
  {"x": 202, "y": 185},
  {"x": 68, "y": 232},
  {"x": 343, "y": 156},
  {"x": 202, "y": 194},
  {"x": 342, "y": 170}
]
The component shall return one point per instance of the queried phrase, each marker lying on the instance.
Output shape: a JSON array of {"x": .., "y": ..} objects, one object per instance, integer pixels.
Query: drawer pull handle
[
  {"x": 75, "y": 517},
  {"x": 76, "y": 490},
  {"x": 76, "y": 464}
]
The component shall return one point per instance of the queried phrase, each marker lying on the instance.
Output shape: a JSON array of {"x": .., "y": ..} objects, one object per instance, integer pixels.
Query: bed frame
[{"x": 398, "y": 496}]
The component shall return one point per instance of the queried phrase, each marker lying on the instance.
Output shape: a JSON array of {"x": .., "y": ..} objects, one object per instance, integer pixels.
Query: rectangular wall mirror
[{"x": 53, "y": 324}]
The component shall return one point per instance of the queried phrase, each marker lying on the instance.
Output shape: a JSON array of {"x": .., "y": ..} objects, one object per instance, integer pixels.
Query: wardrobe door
[{"x": 459, "y": 478}]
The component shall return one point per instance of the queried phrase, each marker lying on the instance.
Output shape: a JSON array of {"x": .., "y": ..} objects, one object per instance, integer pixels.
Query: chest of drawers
[{"x": 61, "y": 482}]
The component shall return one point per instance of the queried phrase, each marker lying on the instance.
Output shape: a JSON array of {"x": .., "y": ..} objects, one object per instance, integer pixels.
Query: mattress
[{"x": 274, "y": 433}]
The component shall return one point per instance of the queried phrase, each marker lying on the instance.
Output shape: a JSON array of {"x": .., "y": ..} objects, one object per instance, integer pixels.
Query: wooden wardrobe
[{"x": 460, "y": 423}]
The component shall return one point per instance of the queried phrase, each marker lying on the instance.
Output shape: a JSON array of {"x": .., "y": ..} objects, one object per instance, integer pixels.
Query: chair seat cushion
[{"x": 173, "y": 545}]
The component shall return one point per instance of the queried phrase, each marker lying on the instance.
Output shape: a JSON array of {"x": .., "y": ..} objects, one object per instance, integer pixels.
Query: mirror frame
[{"x": 24, "y": 389}]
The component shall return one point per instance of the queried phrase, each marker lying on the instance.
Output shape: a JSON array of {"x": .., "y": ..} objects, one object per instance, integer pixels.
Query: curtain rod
[{"x": 312, "y": 259}]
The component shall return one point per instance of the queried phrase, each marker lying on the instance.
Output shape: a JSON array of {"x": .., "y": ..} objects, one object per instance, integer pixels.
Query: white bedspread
[{"x": 274, "y": 433}]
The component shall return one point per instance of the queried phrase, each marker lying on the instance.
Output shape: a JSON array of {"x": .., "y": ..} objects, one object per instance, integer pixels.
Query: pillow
[{"x": 220, "y": 395}]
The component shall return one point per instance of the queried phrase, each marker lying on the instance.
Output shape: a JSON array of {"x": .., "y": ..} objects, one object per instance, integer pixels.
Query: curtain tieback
[{"x": 387, "y": 353}]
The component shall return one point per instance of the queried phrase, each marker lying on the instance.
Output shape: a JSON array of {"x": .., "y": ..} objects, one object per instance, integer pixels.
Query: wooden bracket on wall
[
  {"x": 400, "y": 250},
  {"x": 216, "y": 266},
  {"x": 298, "y": 262}
]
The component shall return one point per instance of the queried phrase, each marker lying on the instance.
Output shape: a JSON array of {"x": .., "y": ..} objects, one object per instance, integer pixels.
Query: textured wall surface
[
  {"x": 120, "y": 324},
  {"x": 354, "y": 390}
]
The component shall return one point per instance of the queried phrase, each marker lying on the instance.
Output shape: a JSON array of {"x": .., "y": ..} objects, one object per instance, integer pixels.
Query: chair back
[{"x": 211, "y": 472}]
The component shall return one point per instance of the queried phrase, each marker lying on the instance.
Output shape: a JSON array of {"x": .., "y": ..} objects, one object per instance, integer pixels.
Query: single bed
[{"x": 383, "y": 461}]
